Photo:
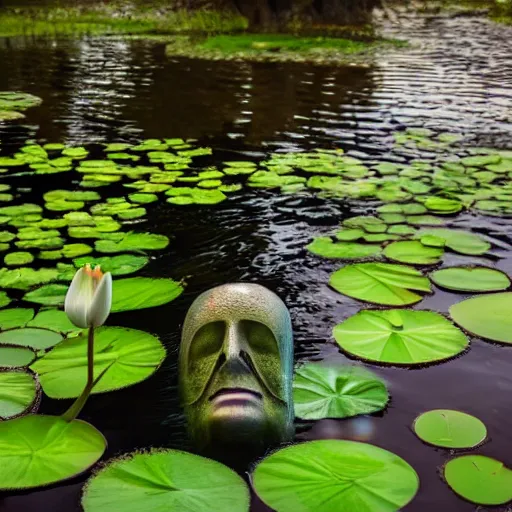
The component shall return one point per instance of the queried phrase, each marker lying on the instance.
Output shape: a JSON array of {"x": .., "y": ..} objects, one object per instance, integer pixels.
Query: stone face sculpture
[{"x": 236, "y": 370}]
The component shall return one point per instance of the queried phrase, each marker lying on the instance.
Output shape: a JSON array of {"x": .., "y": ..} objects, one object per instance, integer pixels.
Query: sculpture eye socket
[
  {"x": 207, "y": 342},
  {"x": 260, "y": 338}
]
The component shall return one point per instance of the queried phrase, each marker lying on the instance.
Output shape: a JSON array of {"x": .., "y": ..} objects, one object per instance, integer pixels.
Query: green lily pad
[
  {"x": 400, "y": 337},
  {"x": 401, "y": 230},
  {"x": 471, "y": 279},
  {"x": 18, "y": 100},
  {"x": 35, "y": 338},
  {"x": 368, "y": 223},
  {"x": 48, "y": 295},
  {"x": 10, "y": 115},
  {"x": 16, "y": 317},
  {"x": 381, "y": 283},
  {"x": 19, "y": 392},
  {"x": 55, "y": 320},
  {"x": 119, "y": 265},
  {"x": 131, "y": 356},
  {"x": 17, "y": 259},
  {"x": 479, "y": 479},
  {"x": 462, "y": 242},
  {"x": 487, "y": 316},
  {"x": 336, "y": 391},
  {"x": 165, "y": 480},
  {"x": 49, "y": 449},
  {"x": 15, "y": 357},
  {"x": 324, "y": 246},
  {"x": 349, "y": 235},
  {"x": 443, "y": 206},
  {"x": 449, "y": 429},
  {"x": 132, "y": 213},
  {"x": 413, "y": 252},
  {"x": 143, "y": 292},
  {"x": 332, "y": 475},
  {"x": 133, "y": 242},
  {"x": 143, "y": 198}
]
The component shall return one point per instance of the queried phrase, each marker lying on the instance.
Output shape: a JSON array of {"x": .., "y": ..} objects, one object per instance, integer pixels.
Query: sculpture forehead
[{"x": 238, "y": 301}]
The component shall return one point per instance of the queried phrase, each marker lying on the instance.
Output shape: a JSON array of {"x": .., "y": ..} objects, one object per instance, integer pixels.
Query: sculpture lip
[{"x": 234, "y": 391}]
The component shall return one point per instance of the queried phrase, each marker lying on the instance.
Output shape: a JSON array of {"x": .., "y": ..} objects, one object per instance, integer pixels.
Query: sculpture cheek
[{"x": 201, "y": 360}]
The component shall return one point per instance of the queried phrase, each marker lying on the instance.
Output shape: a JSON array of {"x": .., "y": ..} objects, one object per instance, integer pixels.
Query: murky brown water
[{"x": 457, "y": 78}]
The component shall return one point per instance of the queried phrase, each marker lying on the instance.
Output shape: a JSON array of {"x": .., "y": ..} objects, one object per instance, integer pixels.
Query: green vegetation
[
  {"x": 273, "y": 47},
  {"x": 104, "y": 19}
]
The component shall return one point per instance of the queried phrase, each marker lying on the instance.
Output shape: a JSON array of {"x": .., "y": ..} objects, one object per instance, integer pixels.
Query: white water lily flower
[{"x": 89, "y": 297}]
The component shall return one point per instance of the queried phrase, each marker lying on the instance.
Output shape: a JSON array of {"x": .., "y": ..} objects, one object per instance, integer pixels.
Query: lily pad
[
  {"x": 19, "y": 392},
  {"x": 462, "y": 242},
  {"x": 487, "y": 316},
  {"x": 381, "y": 283},
  {"x": 16, "y": 317},
  {"x": 18, "y": 100},
  {"x": 133, "y": 242},
  {"x": 324, "y": 246},
  {"x": 17, "y": 259},
  {"x": 48, "y": 295},
  {"x": 49, "y": 449},
  {"x": 336, "y": 391},
  {"x": 143, "y": 292},
  {"x": 332, "y": 475},
  {"x": 15, "y": 357},
  {"x": 471, "y": 279},
  {"x": 55, "y": 320},
  {"x": 117, "y": 265},
  {"x": 35, "y": 338},
  {"x": 131, "y": 356},
  {"x": 165, "y": 480},
  {"x": 400, "y": 337},
  {"x": 413, "y": 252},
  {"x": 479, "y": 479},
  {"x": 449, "y": 429}
]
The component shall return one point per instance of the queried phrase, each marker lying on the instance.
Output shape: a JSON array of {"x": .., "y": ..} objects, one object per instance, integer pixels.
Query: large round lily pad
[
  {"x": 487, "y": 316},
  {"x": 48, "y": 295},
  {"x": 47, "y": 448},
  {"x": 31, "y": 337},
  {"x": 143, "y": 292},
  {"x": 331, "y": 476},
  {"x": 336, "y": 391},
  {"x": 165, "y": 480},
  {"x": 471, "y": 279},
  {"x": 119, "y": 265},
  {"x": 414, "y": 252},
  {"x": 449, "y": 429},
  {"x": 462, "y": 242},
  {"x": 19, "y": 392},
  {"x": 479, "y": 479},
  {"x": 400, "y": 336},
  {"x": 15, "y": 357},
  {"x": 381, "y": 283},
  {"x": 131, "y": 356}
]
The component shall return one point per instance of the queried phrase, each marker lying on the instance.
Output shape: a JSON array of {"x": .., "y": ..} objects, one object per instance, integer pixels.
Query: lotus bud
[{"x": 89, "y": 297}]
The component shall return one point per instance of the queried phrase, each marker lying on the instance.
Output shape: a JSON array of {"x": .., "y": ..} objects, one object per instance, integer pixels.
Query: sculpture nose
[{"x": 234, "y": 346}]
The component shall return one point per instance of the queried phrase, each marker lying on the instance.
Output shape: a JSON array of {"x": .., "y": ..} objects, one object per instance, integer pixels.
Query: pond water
[{"x": 456, "y": 78}]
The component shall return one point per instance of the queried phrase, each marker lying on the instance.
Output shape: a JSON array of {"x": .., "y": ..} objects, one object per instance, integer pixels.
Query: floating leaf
[
  {"x": 55, "y": 320},
  {"x": 131, "y": 356},
  {"x": 462, "y": 242},
  {"x": 143, "y": 292},
  {"x": 117, "y": 265},
  {"x": 471, "y": 279},
  {"x": 336, "y": 391},
  {"x": 133, "y": 242},
  {"x": 15, "y": 357},
  {"x": 400, "y": 337},
  {"x": 17, "y": 259},
  {"x": 449, "y": 429},
  {"x": 14, "y": 100},
  {"x": 48, "y": 448},
  {"x": 442, "y": 206},
  {"x": 18, "y": 394},
  {"x": 324, "y": 246},
  {"x": 4, "y": 299},
  {"x": 413, "y": 252},
  {"x": 165, "y": 480},
  {"x": 36, "y": 338},
  {"x": 17, "y": 317},
  {"x": 487, "y": 316},
  {"x": 49, "y": 295},
  {"x": 479, "y": 479},
  {"x": 332, "y": 475},
  {"x": 380, "y": 283}
]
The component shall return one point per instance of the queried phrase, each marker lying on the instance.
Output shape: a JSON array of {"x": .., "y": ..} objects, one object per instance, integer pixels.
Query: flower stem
[{"x": 79, "y": 403}]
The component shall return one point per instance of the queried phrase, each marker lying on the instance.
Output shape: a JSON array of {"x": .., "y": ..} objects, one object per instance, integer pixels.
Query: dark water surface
[{"x": 457, "y": 78}]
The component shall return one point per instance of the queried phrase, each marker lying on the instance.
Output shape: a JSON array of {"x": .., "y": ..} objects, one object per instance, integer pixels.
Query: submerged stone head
[{"x": 236, "y": 368}]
